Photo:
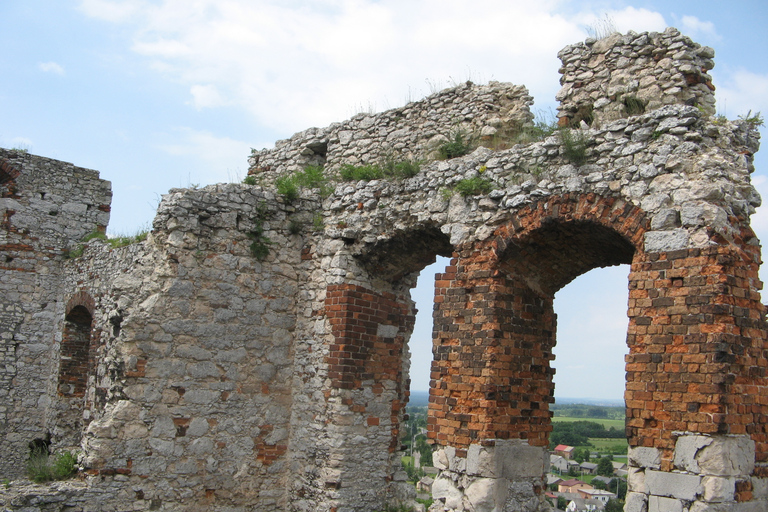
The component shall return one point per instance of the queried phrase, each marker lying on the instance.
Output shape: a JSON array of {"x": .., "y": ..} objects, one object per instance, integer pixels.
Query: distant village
[{"x": 565, "y": 491}]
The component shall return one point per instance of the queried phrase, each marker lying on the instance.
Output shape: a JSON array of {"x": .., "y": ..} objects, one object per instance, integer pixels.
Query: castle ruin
[{"x": 252, "y": 353}]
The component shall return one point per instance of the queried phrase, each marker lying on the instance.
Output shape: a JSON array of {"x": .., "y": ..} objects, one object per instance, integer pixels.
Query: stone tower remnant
[{"x": 252, "y": 353}]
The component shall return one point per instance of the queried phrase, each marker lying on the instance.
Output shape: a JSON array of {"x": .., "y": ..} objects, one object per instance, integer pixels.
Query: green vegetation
[
  {"x": 474, "y": 186},
  {"x": 317, "y": 222},
  {"x": 116, "y": 241},
  {"x": 459, "y": 143},
  {"x": 286, "y": 187},
  {"x": 295, "y": 226},
  {"x": 535, "y": 132},
  {"x": 578, "y": 433},
  {"x": 250, "y": 180},
  {"x": 754, "y": 121},
  {"x": 42, "y": 467},
  {"x": 311, "y": 177},
  {"x": 259, "y": 242},
  {"x": 389, "y": 168},
  {"x": 582, "y": 411},
  {"x": 633, "y": 106},
  {"x": 574, "y": 146}
]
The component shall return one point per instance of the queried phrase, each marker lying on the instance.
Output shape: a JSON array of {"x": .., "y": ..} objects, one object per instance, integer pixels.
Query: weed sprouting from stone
[
  {"x": 259, "y": 242},
  {"x": 459, "y": 143},
  {"x": 474, "y": 186},
  {"x": 574, "y": 146},
  {"x": 42, "y": 467}
]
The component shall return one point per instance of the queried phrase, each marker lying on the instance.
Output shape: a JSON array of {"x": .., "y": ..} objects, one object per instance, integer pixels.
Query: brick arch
[
  {"x": 494, "y": 319},
  {"x": 553, "y": 241},
  {"x": 75, "y": 355},
  {"x": 696, "y": 334},
  {"x": 8, "y": 171},
  {"x": 81, "y": 298}
]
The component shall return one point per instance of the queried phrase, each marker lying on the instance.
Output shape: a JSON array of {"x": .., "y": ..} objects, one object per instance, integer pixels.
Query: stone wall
[
  {"x": 624, "y": 75},
  {"x": 489, "y": 114},
  {"x": 253, "y": 352},
  {"x": 47, "y": 207}
]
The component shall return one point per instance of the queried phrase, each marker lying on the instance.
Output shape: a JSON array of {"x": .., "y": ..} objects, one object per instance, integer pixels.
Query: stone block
[
  {"x": 718, "y": 489},
  {"x": 636, "y": 502},
  {"x": 482, "y": 461},
  {"x": 673, "y": 485},
  {"x": 663, "y": 241},
  {"x": 659, "y": 504},
  {"x": 759, "y": 488},
  {"x": 752, "y": 506},
  {"x": 728, "y": 456},
  {"x": 483, "y": 494},
  {"x": 445, "y": 489},
  {"x": 636, "y": 480},
  {"x": 644, "y": 457},
  {"x": 520, "y": 461},
  {"x": 686, "y": 449}
]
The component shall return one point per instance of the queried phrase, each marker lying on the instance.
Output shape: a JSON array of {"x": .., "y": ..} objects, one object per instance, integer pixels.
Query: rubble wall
[
  {"x": 47, "y": 207},
  {"x": 253, "y": 352}
]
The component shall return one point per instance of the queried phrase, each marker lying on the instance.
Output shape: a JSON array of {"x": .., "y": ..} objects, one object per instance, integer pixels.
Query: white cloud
[
  {"x": 206, "y": 96},
  {"x": 741, "y": 92},
  {"x": 21, "y": 143},
  {"x": 111, "y": 11},
  {"x": 51, "y": 67},
  {"x": 694, "y": 27},
  {"x": 624, "y": 20},
  {"x": 226, "y": 157},
  {"x": 298, "y": 64}
]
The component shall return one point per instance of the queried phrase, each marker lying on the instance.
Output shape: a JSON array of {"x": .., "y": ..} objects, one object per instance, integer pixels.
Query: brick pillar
[
  {"x": 491, "y": 384},
  {"x": 697, "y": 396},
  {"x": 368, "y": 391}
]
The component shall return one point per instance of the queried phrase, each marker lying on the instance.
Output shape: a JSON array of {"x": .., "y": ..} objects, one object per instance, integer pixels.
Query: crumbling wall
[
  {"x": 47, "y": 207},
  {"x": 622, "y": 75},
  {"x": 489, "y": 114},
  {"x": 253, "y": 353}
]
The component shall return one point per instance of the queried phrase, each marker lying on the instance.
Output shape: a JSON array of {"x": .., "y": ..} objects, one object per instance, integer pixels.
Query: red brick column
[
  {"x": 492, "y": 347},
  {"x": 369, "y": 330},
  {"x": 698, "y": 354}
]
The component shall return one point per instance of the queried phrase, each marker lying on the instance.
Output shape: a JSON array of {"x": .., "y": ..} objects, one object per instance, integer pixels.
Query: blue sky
[{"x": 158, "y": 94}]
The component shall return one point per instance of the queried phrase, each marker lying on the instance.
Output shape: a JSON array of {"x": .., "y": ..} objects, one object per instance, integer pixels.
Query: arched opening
[
  {"x": 371, "y": 321},
  {"x": 75, "y": 346},
  {"x": 591, "y": 337},
  {"x": 588, "y": 439},
  {"x": 495, "y": 330}
]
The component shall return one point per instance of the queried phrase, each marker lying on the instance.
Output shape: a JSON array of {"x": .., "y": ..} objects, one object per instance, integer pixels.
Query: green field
[
  {"x": 617, "y": 424},
  {"x": 601, "y": 444}
]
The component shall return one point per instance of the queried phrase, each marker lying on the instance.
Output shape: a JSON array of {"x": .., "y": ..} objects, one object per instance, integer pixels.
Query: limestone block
[
  {"x": 759, "y": 488},
  {"x": 728, "y": 456},
  {"x": 667, "y": 218},
  {"x": 673, "y": 485},
  {"x": 703, "y": 215},
  {"x": 687, "y": 448},
  {"x": 521, "y": 461},
  {"x": 661, "y": 241},
  {"x": 440, "y": 459},
  {"x": 482, "y": 494},
  {"x": 644, "y": 457},
  {"x": 444, "y": 489},
  {"x": 751, "y": 506},
  {"x": 659, "y": 504},
  {"x": 636, "y": 502},
  {"x": 718, "y": 489},
  {"x": 636, "y": 480},
  {"x": 482, "y": 461}
]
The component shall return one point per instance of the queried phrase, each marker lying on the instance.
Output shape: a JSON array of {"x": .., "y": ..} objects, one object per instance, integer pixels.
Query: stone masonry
[{"x": 252, "y": 353}]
